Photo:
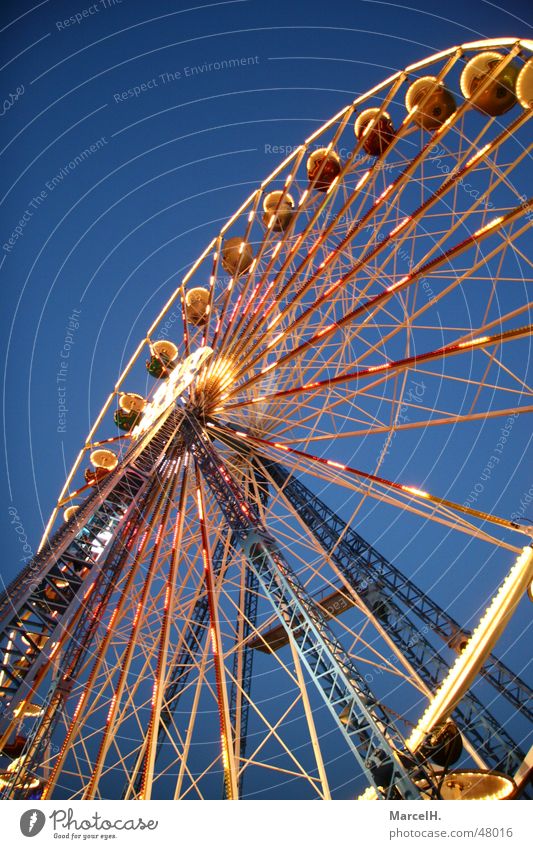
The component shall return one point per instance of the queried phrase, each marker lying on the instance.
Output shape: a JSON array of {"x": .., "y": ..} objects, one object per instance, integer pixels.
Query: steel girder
[
  {"x": 366, "y": 726},
  {"x": 390, "y": 594}
]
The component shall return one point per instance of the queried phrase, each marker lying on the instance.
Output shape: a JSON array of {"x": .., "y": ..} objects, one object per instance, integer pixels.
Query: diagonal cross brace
[
  {"x": 369, "y": 731},
  {"x": 370, "y": 574}
]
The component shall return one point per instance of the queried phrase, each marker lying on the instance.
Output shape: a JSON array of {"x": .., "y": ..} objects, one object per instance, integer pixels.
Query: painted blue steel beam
[
  {"x": 244, "y": 653},
  {"x": 367, "y": 728}
]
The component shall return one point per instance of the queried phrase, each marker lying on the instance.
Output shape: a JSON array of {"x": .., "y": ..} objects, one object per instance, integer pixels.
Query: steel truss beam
[
  {"x": 105, "y": 575},
  {"x": 390, "y": 594},
  {"x": 366, "y": 726},
  {"x": 182, "y": 667}
]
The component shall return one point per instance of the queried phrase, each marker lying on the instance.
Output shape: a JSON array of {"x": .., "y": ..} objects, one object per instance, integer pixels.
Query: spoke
[
  {"x": 202, "y": 614},
  {"x": 397, "y": 366},
  {"x": 407, "y": 491},
  {"x": 158, "y": 686},
  {"x": 227, "y": 745},
  {"x": 450, "y": 420}
]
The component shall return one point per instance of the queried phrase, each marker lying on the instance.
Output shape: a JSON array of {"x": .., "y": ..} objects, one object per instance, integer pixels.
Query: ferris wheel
[{"x": 205, "y": 616}]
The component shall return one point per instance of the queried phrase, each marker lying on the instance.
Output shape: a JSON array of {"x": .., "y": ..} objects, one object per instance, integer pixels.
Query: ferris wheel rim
[{"x": 457, "y": 50}]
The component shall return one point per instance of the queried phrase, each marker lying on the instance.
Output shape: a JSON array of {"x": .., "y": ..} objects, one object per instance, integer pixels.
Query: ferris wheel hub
[{"x": 180, "y": 379}]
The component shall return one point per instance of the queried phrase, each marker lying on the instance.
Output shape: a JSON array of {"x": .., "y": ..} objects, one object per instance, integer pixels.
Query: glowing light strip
[
  {"x": 241, "y": 209},
  {"x": 282, "y": 165},
  {"x": 490, "y": 42},
  {"x": 328, "y": 124},
  {"x": 425, "y": 62},
  {"x": 479, "y": 646}
]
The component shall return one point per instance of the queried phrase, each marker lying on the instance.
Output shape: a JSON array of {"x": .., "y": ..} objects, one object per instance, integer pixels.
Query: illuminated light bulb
[
  {"x": 478, "y": 155},
  {"x": 89, "y": 590},
  {"x": 370, "y": 795},
  {"x": 362, "y": 180},
  {"x": 251, "y": 215},
  {"x": 524, "y": 85},
  {"x": 477, "y": 785},
  {"x": 415, "y": 491},
  {"x": 336, "y": 465},
  {"x": 489, "y": 226},
  {"x": 78, "y": 706},
  {"x": 111, "y": 706},
  {"x": 379, "y": 368},
  {"x": 400, "y": 226},
  {"x": 225, "y": 760},
  {"x": 445, "y": 124},
  {"x": 399, "y": 283},
  {"x": 137, "y": 613},
  {"x": 479, "y": 341}
]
